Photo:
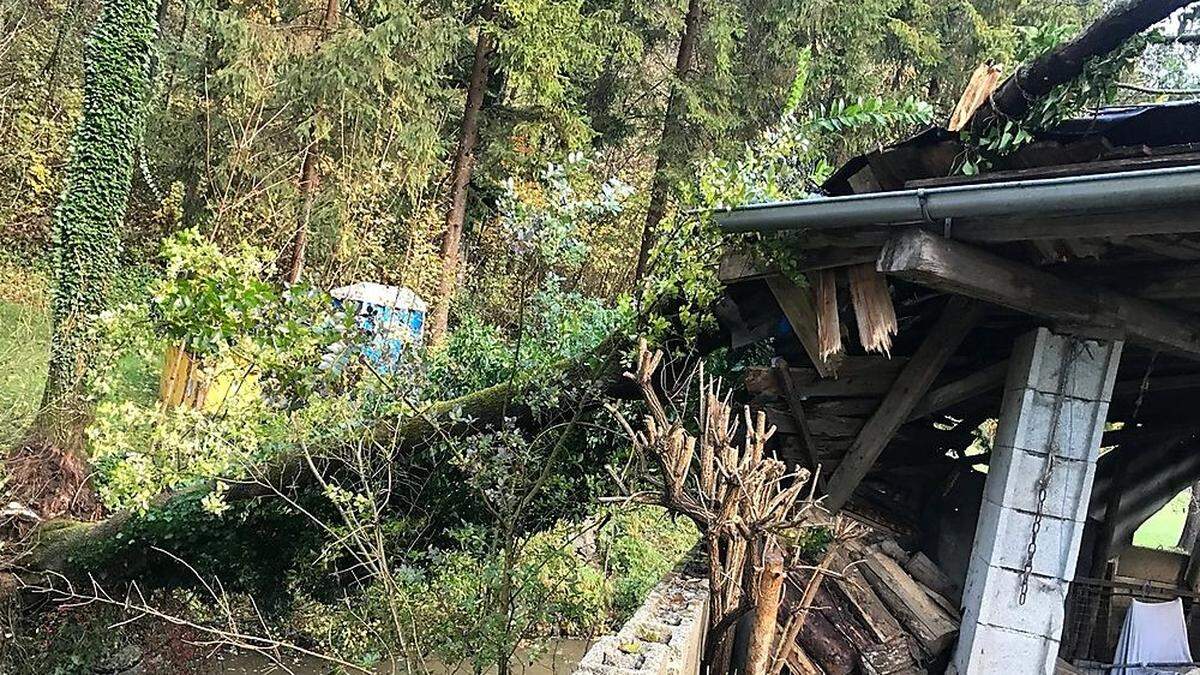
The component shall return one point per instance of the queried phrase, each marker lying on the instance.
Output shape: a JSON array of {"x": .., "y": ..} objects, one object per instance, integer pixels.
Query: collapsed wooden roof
[{"x": 891, "y": 430}]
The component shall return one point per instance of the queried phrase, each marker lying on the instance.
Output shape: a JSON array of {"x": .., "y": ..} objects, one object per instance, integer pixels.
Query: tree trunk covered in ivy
[
  {"x": 460, "y": 180},
  {"x": 49, "y": 470},
  {"x": 669, "y": 149}
]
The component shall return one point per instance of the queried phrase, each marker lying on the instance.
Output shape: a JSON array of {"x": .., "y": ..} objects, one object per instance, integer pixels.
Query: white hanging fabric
[{"x": 1154, "y": 632}]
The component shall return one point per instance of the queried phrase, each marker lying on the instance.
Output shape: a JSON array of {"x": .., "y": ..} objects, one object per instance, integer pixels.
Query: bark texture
[
  {"x": 1032, "y": 81},
  {"x": 309, "y": 179},
  {"x": 460, "y": 183},
  {"x": 48, "y": 471},
  {"x": 671, "y": 139}
]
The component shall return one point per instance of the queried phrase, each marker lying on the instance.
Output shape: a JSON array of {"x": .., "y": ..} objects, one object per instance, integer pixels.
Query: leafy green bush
[
  {"x": 141, "y": 450},
  {"x": 641, "y": 546},
  {"x": 559, "y": 325},
  {"x": 574, "y": 579}
]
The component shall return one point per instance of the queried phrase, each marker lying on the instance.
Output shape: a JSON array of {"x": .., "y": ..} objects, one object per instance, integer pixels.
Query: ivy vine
[{"x": 117, "y": 61}]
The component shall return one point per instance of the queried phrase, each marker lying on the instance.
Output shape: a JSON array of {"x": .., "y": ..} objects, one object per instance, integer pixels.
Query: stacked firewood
[
  {"x": 865, "y": 606},
  {"x": 882, "y": 611}
]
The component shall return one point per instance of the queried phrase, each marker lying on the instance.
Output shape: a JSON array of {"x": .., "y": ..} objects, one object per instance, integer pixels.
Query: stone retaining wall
[{"x": 664, "y": 637}]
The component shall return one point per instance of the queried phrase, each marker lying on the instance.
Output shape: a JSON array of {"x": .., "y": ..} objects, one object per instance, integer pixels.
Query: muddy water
[{"x": 559, "y": 659}]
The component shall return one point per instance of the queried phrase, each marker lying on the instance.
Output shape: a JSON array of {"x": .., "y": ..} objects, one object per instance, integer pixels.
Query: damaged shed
[{"x": 1002, "y": 370}]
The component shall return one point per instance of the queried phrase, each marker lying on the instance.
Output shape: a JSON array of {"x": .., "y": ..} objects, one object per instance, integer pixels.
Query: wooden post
[
  {"x": 1099, "y": 568},
  {"x": 766, "y": 613}
]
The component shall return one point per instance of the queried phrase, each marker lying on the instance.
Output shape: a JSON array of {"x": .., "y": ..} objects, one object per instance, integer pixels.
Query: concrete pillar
[{"x": 1055, "y": 404}]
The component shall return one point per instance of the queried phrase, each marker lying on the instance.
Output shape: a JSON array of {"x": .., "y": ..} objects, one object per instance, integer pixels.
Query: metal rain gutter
[{"x": 1094, "y": 193}]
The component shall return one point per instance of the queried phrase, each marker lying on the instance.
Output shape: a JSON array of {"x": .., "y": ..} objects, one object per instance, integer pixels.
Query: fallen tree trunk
[
  {"x": 123, "y": 546},
  {"x": 1032, "y": 81}
]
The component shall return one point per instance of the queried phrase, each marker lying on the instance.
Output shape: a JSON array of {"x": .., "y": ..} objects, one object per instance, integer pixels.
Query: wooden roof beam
[
  {"x": 924, "y": 258},
  {"x": 800, "y": 309},
  {"x": 958, "y": 317}
]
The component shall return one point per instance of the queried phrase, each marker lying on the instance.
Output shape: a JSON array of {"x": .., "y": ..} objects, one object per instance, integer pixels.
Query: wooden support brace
[
  {"x": 958, "y": 317},
  {"x": 978, "y": 382},
  {"x": 806, "y": 439}
]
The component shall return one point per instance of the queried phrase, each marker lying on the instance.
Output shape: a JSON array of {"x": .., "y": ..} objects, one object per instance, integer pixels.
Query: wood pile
[{"x": 884, "y": 611}]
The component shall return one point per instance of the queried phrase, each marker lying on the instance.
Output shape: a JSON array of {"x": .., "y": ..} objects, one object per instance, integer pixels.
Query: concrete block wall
[
  {"x": 665, "y": 636},
  {"x": 999, "y": 633}
]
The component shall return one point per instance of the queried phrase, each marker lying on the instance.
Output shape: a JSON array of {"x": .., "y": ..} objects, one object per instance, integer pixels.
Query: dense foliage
[{"x": 202, "y": 146}]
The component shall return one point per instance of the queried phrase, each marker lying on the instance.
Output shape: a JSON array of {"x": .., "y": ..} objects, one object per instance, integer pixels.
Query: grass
[
  {"x": 24, "y": 352},
  {"x": 1163, "y": 528}
]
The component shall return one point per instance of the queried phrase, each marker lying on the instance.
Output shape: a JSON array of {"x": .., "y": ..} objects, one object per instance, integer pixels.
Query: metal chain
[{"x": 1043, "y": 484}]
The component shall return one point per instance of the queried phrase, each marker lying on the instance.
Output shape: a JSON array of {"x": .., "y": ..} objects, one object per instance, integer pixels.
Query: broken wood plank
[
  {"x": 924, "y": 258},
  {"x": 945, "y": 396},
  {"x": 801, "y": 312},
  {"x": 923, "y": 618},
  {"x": 857, "y": 376},
  {"x": 911, "y": 385},
  {"x": 829, "y": 322},
  {"x": 946, "y": 604},
  {"x": 983, "y": 82},
  {"x": 873, "y": 310}
]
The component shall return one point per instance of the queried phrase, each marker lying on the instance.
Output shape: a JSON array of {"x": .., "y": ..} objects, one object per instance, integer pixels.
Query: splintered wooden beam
[
  {"x": 801, "y": 312},
  {"x": 927, "y": 259},
  {"x": 957, "y": 319}
]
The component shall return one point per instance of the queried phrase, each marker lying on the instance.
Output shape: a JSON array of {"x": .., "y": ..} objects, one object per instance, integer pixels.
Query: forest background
[{"x": 531, "y": 167}]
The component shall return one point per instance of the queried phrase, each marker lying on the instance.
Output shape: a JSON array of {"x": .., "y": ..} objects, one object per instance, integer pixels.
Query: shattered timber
[{"x": 1057, "y": 294}]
